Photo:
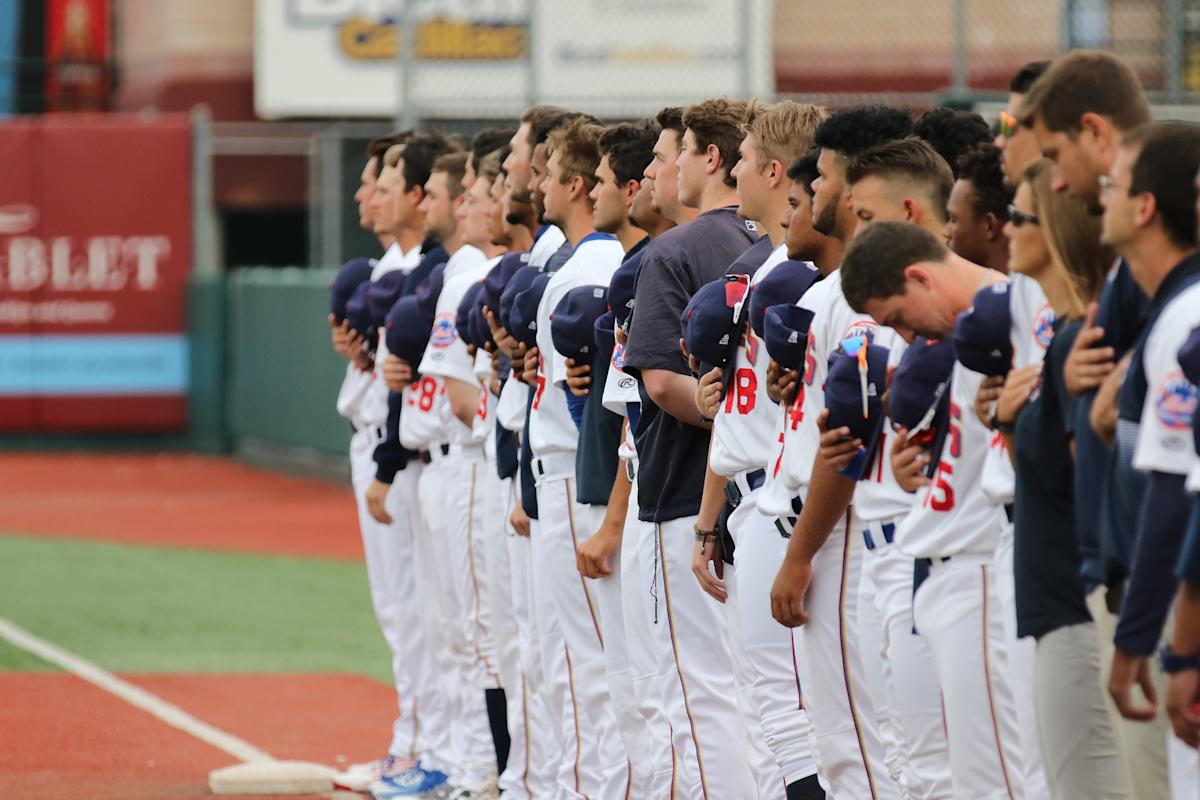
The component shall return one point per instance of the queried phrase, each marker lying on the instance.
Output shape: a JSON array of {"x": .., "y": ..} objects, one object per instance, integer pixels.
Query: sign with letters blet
[{"x": 95, "y": 250}]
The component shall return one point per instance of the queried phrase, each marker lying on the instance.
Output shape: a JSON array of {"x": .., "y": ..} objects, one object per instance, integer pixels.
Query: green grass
[{"x": 150, "y": 609}]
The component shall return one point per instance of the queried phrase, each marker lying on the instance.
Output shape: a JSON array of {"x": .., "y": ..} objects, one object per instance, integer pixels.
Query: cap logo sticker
[
  {"x": 1176, "y": 402},
  {"x": 444, "y": 333},
  {"x": 1043, "y": 326}
]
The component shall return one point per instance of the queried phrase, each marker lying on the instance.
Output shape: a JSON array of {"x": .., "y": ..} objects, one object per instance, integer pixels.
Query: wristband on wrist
[
  {"x": 704, "y": 536},
  {"x": 997, "y": 425},
  {"x": 1172, "y": 662}
]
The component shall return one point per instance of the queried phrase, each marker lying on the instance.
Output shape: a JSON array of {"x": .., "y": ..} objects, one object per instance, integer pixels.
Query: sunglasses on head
[
  {"x": 1019, "y": 218},
  {"x": 1008, "y": 124}
]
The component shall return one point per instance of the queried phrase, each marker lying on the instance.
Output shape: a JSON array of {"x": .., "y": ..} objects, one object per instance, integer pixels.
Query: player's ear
[{"x": 713, "y": 154}]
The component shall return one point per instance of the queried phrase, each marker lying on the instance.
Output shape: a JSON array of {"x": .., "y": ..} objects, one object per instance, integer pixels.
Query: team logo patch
[
  {"x": 1176, "y": 402},
  {"x": 752, "y": 349},
  {"x": 862, "y": 327},
  {"x": 444, "y": 333},
  {"x": 1043, "y": 326},
  {"x": 618, "y": 356}
]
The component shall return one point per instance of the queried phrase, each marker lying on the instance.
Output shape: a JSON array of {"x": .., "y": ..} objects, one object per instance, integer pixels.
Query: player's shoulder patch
[
  {"x": 444, "y": 333},
  {"x": 1043, "y": 326},
  {"x": 860, "y": 327},
  {"x": 1176, "y": 402},
  {"x": 618, "y": 356}
]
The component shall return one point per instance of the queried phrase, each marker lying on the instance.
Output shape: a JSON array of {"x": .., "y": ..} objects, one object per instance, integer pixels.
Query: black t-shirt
[
  {"x": 1046, "y": 562},
  {"x": 671, "y": 454},
  {"x": 599, "y": 439}
]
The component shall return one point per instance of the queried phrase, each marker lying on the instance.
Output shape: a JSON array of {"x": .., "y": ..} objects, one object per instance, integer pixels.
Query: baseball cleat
[
  {"x": 359, "y": 777},
  {"x": 412, "y": 782}
]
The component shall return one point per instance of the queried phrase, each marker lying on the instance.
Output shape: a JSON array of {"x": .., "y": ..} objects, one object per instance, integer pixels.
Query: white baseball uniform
[
  {"x": 601, "y": 765},
  {"x": 1165, "y": 442},
  {"x": 849, "y": 744},
  {"x": 387, "y": 548},
  {"x": 743, "y": 431},
  {"x": 953, "y": 531},
  {"x": 1032, "y": 331}
]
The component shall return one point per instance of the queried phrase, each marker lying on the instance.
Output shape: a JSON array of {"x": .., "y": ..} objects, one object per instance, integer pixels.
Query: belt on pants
[
  {"x": 428, "y": 457},
  {"x": 554, "y": 464},
  {"x": 889, "y": 535},
  {"x": 922, "y": 568},
  {"x": 743, "y": 483}
]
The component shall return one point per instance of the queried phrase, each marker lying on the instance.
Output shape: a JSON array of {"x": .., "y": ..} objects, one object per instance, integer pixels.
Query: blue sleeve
[
  {"x": 1165, "y": 512},
  {"x": 575, "y": 406},
  {"x": 390, "y": 457},
  {"x": 1188, "y": 568}
]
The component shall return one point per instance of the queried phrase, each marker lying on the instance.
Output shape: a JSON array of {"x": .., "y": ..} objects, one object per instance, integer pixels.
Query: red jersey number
[{"x": 744, "y": 392}]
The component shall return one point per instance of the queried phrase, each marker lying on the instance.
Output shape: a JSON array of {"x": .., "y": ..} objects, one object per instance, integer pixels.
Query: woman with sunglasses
[{"x": 1055, "y": 241}]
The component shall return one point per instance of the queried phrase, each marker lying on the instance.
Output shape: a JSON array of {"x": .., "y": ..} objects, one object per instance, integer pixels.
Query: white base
[{"x": 272, "y": 777}]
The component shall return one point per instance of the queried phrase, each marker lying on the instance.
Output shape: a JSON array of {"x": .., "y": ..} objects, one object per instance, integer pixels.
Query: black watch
[
  {"x": 1003, "y": 427},
  {"x": 1172, "y": 662}
]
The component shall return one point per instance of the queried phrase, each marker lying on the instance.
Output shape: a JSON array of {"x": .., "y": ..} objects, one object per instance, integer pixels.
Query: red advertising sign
[{"x": 95, "y": 249}]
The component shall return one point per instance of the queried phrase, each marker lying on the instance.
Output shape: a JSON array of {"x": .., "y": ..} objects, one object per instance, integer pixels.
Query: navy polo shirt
[
  {"x": 672, "y": 455},
  {"x": 1046, "y": 561}
]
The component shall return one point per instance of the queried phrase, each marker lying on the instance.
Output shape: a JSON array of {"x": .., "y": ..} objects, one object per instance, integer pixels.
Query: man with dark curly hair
[
  {"x": 978, "y": 208},
  {"x": 952, "y": 133}
]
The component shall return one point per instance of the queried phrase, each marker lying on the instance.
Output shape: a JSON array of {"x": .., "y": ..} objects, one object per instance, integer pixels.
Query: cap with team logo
[
  {"x": 605, "y": 334},
  {"x": 383, "y": 293},
  {"x": 462, "y": 317},
  {"x": 620, "y": 290},
  {"x": 854, "y": 389},
  {"x": 712, "y": 321},
  {"x": 982, "y": 334},
  {"x": 353, "y": 273},
  {"x": 518, "y": 283},
  {"x": 573, "y": 322},
  {"x": 358, "y": 314},
  {"x": 785, "y": 334},
  {"x": 919, "y": 396},
  {"x": 786, "y": 283},
  {"x": 407, "y": 329},
  {"x": 523, "y": 315},
  {"x": 498, "y": 277}
]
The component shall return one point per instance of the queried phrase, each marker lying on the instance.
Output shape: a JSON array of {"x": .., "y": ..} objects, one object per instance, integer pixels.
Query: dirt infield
[
  {"x": 65, "y": 738},
  {"x": 177, "y": 500}
]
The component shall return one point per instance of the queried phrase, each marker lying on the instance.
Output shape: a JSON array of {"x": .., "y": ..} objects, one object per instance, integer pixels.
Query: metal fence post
[
  {"x": 204, "y": 229},
  {"x": 407, "y": 115},
  {"x": 961, "y": 70},
  {"x": 1173, "y": 32}
]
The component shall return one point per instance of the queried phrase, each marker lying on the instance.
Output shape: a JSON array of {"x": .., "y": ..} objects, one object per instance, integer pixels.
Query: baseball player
[
  {"x": 743, "y": 431},
  {"x": 693, "y": 156},
  {"x": 564, "y": 523},
  {"x": 905, "y": 278}
]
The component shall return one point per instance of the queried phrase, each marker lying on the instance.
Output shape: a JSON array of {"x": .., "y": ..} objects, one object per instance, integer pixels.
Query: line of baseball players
[{"x": 758, "y": 451}]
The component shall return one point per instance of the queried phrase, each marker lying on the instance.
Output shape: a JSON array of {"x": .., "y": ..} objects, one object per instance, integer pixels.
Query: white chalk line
[{"x": 171, "y": 714}]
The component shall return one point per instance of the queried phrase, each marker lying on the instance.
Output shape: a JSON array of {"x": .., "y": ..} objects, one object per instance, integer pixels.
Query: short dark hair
[
  {"x": 377, "y": 147},
  {"x": 804, "y": 170},
  {"x": 534, "y": 116},
  {"x": 718, "y": 122},
  {"x": 549, "y": 123},
  {"x": 420, "y": 153},
  {"x": 1024, "y": 78},
  {"x": 455, "y": 167},
  {"x": 982, "y": 166},
  {"x": 952, "y": 132},
  {"x": 874, "y": 263},
  {"x": 1166, "y": 168},
  {"x": 852, "y": 130},
  {"x": 489, "y": 140},
  {"x": 670, "y": 119},
  {"x": 912, "y": 159},
  {"x": 629, "y": 147},
  {"x": 1086, "y": 81}
]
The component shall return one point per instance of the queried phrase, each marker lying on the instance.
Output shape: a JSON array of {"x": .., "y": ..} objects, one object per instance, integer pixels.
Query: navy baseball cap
[
  {"x": 785, "y": 334},
  {"x": 712, "y": 321},
  {"x": 478, "y": 332},
  {"x": 427, "y": 293},
  {"x": 462, "y": 315},
  {"x": 498, "y": 277},
  {"x": 983, "y": 333},
  {"x": 352, "y": 274},
  {"x": 407, "y": 330},
  {"x": 519, "y": 282},
  {"x": 523, "y": 314},
  {"x": 573, "y": 322},
  {"x": 358, "y": 314},
  {"x": 785, "y": 283},
  {"x": 919, "y": 397},
  {"x": 620, "y": 290},
  {"x": 605, "y": 334},
  {"x": 854, "y": 388},
  {"x": 382, "y": 294}
]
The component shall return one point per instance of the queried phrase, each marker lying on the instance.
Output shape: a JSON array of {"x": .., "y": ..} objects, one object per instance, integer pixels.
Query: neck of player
[
  {"x": 1152, "y": 256},
  {"x": 578, "y": 223}
]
